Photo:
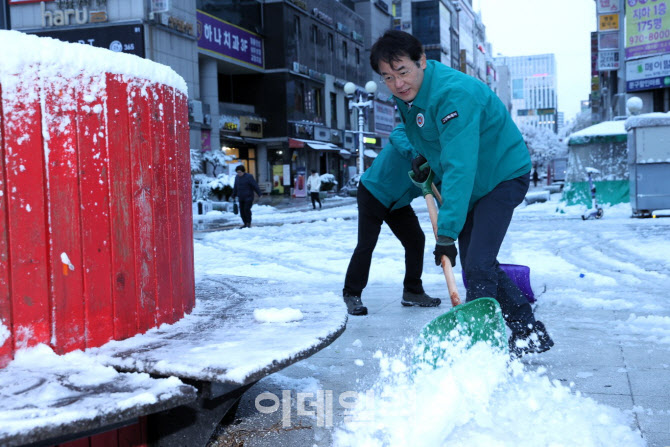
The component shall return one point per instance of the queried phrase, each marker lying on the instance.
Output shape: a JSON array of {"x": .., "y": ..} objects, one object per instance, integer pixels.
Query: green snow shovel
[{"x": 480, "y": 320}]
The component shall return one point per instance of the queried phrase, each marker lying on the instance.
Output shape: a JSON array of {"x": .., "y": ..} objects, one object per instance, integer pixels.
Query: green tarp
[
  {"x": 608, "y": 154},
  {"x": 607, "y": 193}
]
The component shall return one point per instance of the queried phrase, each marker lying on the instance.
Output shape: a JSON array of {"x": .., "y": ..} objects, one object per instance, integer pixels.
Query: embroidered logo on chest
[
  {"x": 420, "y": 120},
  {"x": 450, "y": 116}
]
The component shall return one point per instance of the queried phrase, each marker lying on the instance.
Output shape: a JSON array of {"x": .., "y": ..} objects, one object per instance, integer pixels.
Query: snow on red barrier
[{"x": 96, "y": 237}]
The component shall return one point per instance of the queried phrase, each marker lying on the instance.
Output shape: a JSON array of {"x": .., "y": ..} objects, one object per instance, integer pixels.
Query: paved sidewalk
[{"x": 283, "y": 204}]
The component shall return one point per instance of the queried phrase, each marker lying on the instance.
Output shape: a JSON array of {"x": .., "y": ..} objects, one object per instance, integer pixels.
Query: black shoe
[
  {"x": 243, "y": 226},
  {"x": 354, "y": 305},
  {"x": 419, "y": 299},
  {"x": 530, "y": 341}
]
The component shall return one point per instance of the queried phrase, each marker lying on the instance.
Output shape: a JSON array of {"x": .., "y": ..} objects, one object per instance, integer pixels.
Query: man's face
[
  {"x": 239, "y": 173},
  {"x": 403, "y": 77}
]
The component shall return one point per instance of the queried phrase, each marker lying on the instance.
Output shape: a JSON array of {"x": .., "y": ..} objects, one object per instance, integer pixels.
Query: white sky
[{"x": 527, "y": 27}]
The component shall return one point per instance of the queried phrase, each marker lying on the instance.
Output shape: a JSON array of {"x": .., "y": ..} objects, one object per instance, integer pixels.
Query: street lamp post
[{"x": 349, "y": 90}]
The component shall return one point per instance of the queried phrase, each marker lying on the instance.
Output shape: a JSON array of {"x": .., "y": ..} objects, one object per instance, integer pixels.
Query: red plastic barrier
[{"x": 96, "y": 235}]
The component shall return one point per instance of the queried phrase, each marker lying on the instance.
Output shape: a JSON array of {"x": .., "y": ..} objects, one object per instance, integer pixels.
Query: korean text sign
[
  {"x": 226, "y": 39},
  {"x": 648, "y": 73},
  {"x": 647, "y": 27}
]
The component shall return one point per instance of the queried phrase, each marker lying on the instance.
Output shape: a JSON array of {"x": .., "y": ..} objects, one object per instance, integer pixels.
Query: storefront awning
[
  {"x": 296, "y": 143},
  {"x": 369, "y": 153}
]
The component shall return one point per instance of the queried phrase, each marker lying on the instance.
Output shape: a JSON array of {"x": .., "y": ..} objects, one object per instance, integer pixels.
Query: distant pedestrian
[
  {"x": 244, "y": 188},
  {"x": 314, "y": 186},
  {"x": 536, "y": 177}
]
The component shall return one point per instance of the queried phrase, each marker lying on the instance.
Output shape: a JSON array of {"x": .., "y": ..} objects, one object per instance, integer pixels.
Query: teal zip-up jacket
[
  {"x": 468, "y": 137},
  {"x": 387, "y": 178}
]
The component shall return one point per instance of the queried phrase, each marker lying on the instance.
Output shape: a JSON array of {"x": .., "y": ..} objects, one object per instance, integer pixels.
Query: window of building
[
  {"x": 517, "y": 88},
  {"x": 309, "y": 102},
  {"x": 358, "y": 56},
  {"x": 333, "y": 110},
  {"x": 331, "y": 43},
  {"x": 299, "y": 103},
  {"x": 345, "y": 50},
  {"x": 318, "y": 104},
  {"x": 314, "y": 34},
  {"x": 296, "y": 27}
]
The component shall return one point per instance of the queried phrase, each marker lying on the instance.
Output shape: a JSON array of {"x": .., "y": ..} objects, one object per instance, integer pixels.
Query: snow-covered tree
[
  {"x": 543, "y": 144},
  {"x": 196, "y": 161},
  {"x": 581, "y": 121}
]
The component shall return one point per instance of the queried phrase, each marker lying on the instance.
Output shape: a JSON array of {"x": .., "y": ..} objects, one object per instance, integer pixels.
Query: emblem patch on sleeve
[{"x": 450, "y": 116}]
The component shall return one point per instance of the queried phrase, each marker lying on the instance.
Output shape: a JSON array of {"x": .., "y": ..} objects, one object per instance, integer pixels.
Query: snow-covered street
[{"x": 602, "y": 288}]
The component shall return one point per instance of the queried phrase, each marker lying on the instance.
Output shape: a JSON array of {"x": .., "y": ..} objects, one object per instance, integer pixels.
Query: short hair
[
  {"x": 240, "y": 168},
  {"x": 393, "y": 45},
  {"x": 313, "y": 171}
]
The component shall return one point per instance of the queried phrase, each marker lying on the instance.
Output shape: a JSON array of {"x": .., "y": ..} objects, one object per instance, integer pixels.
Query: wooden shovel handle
[
  {"x": 437, "y": 195},
  {"x": 446, "y": 264}
]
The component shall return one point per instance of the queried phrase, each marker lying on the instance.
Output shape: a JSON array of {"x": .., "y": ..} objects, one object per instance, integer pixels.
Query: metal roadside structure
[
  {"x": 603, "y": 147},
  {"x": 649, "y": 162}
]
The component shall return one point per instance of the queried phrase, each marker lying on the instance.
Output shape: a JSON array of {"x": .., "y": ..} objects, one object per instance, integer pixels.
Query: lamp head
[
  {"x": 349, "y": 89},
  {"x": 371, "y": 88},
  {"x": 634, "y": 105}
]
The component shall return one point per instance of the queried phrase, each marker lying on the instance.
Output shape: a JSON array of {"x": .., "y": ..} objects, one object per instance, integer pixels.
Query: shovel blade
[{"x": 469, "y": 323}]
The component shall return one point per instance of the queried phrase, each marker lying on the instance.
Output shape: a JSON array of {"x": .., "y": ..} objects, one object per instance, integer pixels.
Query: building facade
[
  {"x": 265, "y": 77},
  {"x": 630, "y": 57},
  {"x": 533, "y": 83},
  {"x": 164, "y": 36}
]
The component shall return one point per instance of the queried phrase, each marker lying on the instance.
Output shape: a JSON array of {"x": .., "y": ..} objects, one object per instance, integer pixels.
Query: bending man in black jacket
[{"x": 245, "y": 185}]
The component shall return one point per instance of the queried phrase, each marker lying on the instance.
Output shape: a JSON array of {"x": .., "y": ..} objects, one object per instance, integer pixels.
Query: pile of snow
[
  {"x": 32, "y": 399},
  {"x": 479, "y": 399},
  {"x": 602, "y": 129},
  {"x": 56, "y": 59},
  {"x": 648, "y": 120},
  {"x": 274, "y": 315}
]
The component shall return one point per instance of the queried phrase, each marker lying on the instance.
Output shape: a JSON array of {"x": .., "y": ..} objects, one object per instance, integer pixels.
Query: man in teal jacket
[
  {"x": 478, "y": 154},
  {"x": 384, "y": 194}
]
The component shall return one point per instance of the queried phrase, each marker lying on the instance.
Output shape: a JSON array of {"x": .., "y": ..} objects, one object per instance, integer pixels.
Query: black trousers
[
  {"x": 245, "y": 211},
  {"x": 479, "y": 244},
  {"x": 315, "y": 198},
  {"x": 403, "y": 223}
]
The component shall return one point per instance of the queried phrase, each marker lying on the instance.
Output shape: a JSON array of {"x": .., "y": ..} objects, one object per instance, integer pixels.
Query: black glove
[
  {"x": 445, "y": 246},
  {"x": 420, "y": 175}
]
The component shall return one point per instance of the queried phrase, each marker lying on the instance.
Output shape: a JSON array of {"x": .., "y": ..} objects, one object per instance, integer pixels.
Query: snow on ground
[
  {"x": 479, "y": 400},
  {"x": 616, "y": 263}
]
